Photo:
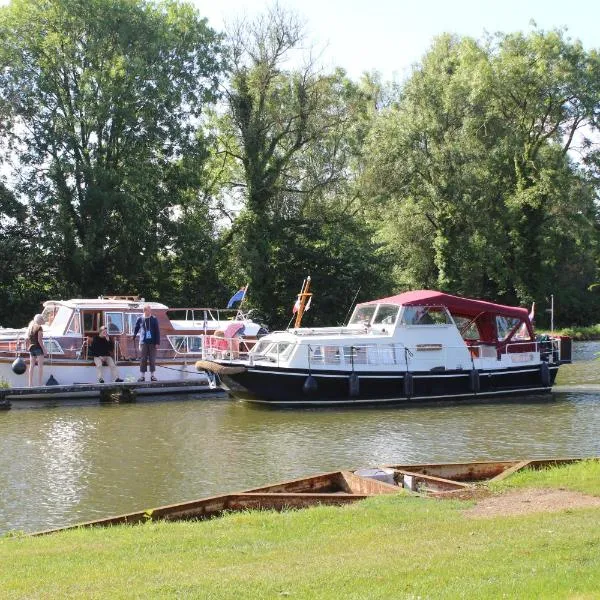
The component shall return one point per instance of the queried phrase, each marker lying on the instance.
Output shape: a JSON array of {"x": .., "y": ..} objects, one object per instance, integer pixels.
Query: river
[{"x": 68, "y": 464}]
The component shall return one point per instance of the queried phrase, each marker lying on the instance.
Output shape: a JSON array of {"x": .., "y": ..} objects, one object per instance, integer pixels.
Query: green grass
[
  {"x": 386, "y": 547},
  {"x": 590, "y": 332},
  {"x": 582, "y": 477}
]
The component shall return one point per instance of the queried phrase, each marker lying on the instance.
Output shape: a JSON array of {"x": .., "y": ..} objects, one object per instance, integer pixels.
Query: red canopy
[{"x": 455, "y": 304}]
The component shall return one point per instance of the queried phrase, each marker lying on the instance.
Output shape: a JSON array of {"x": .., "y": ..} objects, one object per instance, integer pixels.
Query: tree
[
  {"x": 284, "y": 135},
  {"x": 103, "y": 99},
  {"x": 477, "y": 150}
]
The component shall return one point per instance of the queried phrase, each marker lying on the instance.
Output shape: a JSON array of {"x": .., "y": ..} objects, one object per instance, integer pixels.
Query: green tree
[
  {"x": 287, "y": 142},
  {"x": 103, "y": 99},
  {"x": 476, "y": 152}
]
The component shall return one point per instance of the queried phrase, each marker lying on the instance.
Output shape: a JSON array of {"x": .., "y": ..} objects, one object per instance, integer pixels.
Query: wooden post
[
  {"x": 303, "y": 299},
  {"x": 4, "y": 402}
]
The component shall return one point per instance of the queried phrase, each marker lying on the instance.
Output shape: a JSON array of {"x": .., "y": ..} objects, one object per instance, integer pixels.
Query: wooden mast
[{"x": 303, "y": 298}]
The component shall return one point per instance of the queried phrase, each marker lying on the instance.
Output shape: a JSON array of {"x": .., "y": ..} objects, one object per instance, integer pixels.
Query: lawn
[{"x": 399, "y": 546}]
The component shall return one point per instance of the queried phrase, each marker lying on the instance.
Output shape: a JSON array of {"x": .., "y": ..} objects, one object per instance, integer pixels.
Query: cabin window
[
  {"x": 356, "y": 355},
  {"x": 114, "y": 322},
  {"x": 177, "y": 342},
  {"x": 194, "y": 343},
  {"x": 75, "y": 324},
  {"x": 363, "y": 315},
  {"x": 316, "y": 354},
  {"x": 332, "y": 354},
  {"x": 53, "y": 347},
  {"x": 386, "y": 314},
  {"x": 91, "y": 321},
  {"x": 182, "y": 343},
  {"x": 466, "y": 326},
  {"x": 261, "y": 347},
  {"x": 425, "y": 315},
  {"x": 131, "y": 319},
  {"x": 505, "y": 325},
  {"x": 522, "y": 334}
]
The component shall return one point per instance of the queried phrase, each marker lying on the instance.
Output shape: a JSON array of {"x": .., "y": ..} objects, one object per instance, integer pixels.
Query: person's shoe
[
  {"x": 118, "y": 380},
  {"x": 141, "y": 379},
  {"x": 153, "y": 378},
  {"x": 100, "y": 380}
]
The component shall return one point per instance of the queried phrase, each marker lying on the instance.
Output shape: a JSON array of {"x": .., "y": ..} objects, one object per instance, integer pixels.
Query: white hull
[{"x": 73, "y": 373}]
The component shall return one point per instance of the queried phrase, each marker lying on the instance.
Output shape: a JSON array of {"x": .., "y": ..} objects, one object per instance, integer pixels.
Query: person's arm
[
  {"x": 157, "y": 331},
  {"x": 138, "y": 324}
]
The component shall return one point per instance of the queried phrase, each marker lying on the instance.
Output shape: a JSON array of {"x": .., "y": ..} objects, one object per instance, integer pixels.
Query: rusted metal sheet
[
  {"x": 508, "y": 472},
  {"x": 467, "y": 472},
  {"x": 429, "y": 482}
]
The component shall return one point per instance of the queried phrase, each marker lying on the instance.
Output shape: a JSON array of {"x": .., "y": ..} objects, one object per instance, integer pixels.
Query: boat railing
[
  {"x": 549, "y": 350},
  {"x": 220, "y": 347},
  {"x": 426, "y": 356}
]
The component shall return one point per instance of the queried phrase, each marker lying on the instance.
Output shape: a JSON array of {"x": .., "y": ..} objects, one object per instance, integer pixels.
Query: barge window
[{"x": 114, "y": 322}]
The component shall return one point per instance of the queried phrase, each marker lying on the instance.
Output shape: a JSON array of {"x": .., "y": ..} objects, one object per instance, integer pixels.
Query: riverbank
[
  {"x": 579, "y": 334},
  {"x": 385, "y": 547}
]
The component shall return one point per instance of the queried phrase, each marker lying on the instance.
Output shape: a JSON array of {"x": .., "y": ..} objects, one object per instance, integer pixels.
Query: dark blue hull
[{"x": 271, "y": 385}]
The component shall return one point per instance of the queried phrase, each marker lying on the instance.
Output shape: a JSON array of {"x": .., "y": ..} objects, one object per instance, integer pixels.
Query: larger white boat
[
  {"x": 417, "y": 346},
  {"x": 70, "y": 325}
]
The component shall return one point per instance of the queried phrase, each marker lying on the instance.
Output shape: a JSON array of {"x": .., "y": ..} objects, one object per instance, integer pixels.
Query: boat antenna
[{"x": 351, "y": 304}]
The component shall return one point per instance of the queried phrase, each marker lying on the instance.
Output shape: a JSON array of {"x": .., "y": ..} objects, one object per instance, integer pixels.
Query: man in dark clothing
[
  {"x": 101, "y": 349},
  {"x": 149, "y": 330}
]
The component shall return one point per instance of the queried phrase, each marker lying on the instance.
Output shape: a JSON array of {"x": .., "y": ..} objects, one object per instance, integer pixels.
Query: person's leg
[
  {"x": 40, "y": 363},
  {"x": 114, "y": 374},
  {"x": 31, "y": 366},
  {"x": 98, "y": 363},
  {"x": 152, "y": 357},
  {"x": 144, "y": 361}
]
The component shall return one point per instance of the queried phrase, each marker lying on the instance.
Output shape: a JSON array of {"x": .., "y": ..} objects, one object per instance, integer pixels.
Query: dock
[{"x": 115, "y": 393}]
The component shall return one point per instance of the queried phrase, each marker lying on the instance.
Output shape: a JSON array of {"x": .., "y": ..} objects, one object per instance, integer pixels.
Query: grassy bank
[
  {"x": 398, "y": 546},
  {"x": 591, "y": 332}
]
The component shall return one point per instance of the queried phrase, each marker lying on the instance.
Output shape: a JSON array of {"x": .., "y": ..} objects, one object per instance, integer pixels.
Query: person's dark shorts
[{"x": 36, "y": 352}]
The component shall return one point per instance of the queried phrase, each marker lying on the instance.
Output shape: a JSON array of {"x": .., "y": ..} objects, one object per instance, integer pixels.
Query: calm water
[{"x": 69, "y": 464}]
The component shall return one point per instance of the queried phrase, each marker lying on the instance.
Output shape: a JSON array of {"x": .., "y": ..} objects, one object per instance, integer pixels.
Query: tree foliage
[
  {"x": 477, "y": 149},
  {"x": 102, "y": 100},
  {"x": 289, "y": 135},
  {"x": 153, "y": 156}
]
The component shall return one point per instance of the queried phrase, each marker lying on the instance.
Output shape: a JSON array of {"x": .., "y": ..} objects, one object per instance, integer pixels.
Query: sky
[{"x": 390, "y": 36}]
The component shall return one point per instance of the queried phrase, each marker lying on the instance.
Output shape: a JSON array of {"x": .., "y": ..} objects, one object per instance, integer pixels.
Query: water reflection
[{"x": 69, "y": 464}]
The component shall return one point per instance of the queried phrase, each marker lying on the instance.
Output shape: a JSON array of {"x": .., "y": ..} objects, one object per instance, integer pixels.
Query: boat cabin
[{"x": 423, "y": 329}]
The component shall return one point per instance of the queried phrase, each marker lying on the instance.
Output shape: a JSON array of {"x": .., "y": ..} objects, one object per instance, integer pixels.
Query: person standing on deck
[
  {"x": 35, "y": 347},
  {"x": 101, "y": 350},
  {"x": 149, "y": 330}
]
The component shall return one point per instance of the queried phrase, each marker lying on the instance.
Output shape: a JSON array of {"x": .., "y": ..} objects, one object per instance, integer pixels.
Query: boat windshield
[
  {"x": 363, "y": 314},
  {"x": 386, "y": 314}
]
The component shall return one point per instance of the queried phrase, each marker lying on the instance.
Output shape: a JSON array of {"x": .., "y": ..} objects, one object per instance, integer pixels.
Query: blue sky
[{"x": 391, "y": 35}]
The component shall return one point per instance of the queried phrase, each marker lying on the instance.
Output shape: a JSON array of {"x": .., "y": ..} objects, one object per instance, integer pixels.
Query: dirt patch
[{"x": 521, "y": 502}]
